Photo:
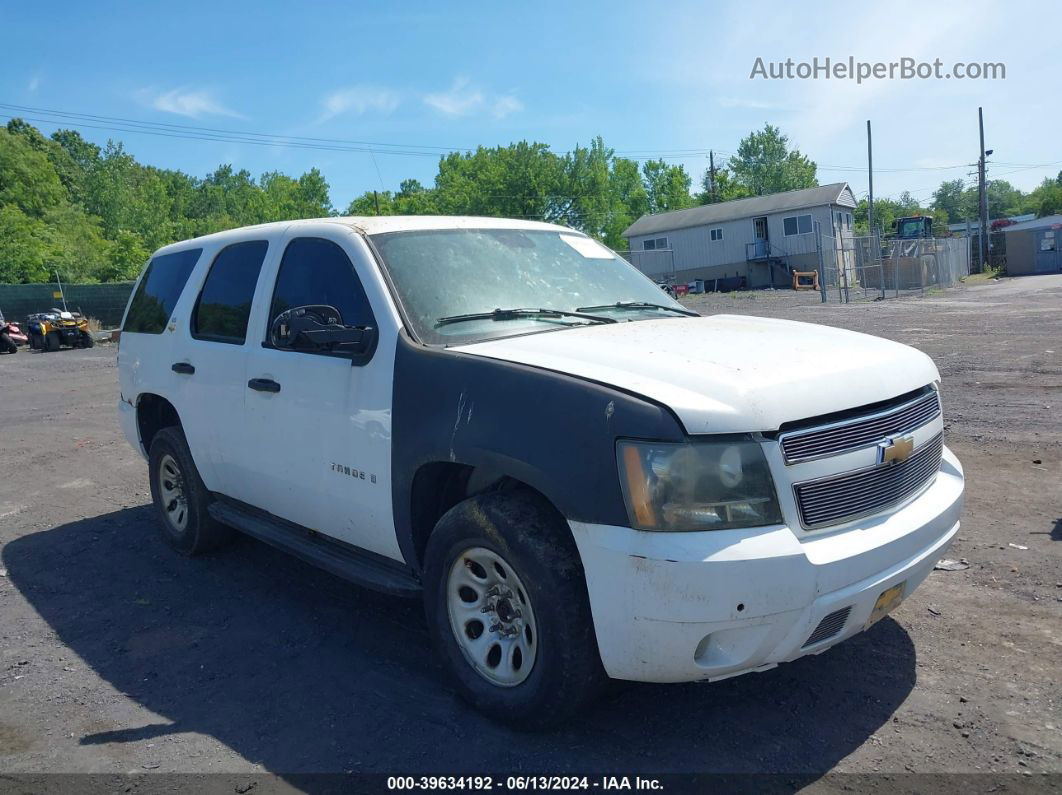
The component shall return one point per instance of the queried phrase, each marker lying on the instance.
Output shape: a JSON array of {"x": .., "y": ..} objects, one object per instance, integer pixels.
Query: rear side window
[
  {"x": 317, "y": 271},
  {"x": 224, "y": 304},
  {"x": 157, "y": 295}
]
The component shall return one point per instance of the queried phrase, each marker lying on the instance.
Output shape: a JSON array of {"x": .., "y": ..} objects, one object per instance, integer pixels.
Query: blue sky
[{"x": 651, "y": 78}]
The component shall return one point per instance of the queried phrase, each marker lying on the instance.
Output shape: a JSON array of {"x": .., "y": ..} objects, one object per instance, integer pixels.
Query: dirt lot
[{"x": 118, "y": 656}]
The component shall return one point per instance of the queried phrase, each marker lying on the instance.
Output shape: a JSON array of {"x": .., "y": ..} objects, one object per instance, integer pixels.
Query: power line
[{"x": 222, "y": 135}]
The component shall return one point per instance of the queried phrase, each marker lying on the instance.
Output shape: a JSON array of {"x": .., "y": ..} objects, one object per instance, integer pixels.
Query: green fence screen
[{"x": 105, "y": 302}]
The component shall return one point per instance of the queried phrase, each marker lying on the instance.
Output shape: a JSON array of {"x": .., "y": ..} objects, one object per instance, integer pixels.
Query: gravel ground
[{"x": 118, "y": 656}]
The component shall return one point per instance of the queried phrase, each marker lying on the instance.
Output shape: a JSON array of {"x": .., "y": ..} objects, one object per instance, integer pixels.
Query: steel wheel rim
[
  {"x": 171, "y": 493},
  {"x": 491, "y": 617}
]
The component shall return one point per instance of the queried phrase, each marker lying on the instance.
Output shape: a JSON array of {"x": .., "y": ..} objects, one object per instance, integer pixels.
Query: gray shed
[{"x": 1034, "y": 246}]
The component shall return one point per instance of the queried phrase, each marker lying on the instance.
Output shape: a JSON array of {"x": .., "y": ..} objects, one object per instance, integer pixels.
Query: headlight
[{"x": 715, "y": 485}]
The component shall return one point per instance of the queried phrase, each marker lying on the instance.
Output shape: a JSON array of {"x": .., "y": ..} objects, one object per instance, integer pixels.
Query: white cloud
[
  {"x": 505, "y": 105},
  {"x": 188, "y": 102},
  {"x": 358, "y": 99},
  {"x": 465, "y": 99},
  {"x": 34, "y": 84}
]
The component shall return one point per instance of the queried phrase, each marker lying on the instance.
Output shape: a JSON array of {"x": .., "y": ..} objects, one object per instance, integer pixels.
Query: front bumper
[{"x": 676, "y": 607}]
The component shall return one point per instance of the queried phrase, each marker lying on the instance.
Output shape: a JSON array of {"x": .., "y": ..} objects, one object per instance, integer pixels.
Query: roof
[
  {"x": 1046, "y": 222},
  {"x": 738, "y": 208},
  {"x": 975, "y": 223},
  {"x": 375, "y": 225}
]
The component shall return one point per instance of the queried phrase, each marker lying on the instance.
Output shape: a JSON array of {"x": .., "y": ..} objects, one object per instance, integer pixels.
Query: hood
[{"x": 728, "y": 373}]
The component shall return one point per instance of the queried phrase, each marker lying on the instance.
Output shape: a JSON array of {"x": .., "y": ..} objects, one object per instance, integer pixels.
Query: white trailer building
[{"x": 762, "y": 239}]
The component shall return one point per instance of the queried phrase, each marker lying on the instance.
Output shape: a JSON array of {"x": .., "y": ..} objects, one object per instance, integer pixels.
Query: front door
[
  {"x": 319, "y": 423},
  {"x": 759, "y": 234}
]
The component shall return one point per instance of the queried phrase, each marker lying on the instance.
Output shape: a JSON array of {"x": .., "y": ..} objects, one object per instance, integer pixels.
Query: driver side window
[{"x": 317, "y": 271}]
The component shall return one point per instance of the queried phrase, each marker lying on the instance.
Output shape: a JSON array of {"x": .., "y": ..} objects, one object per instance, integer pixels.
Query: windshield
[{"x": 446, "y": 273}]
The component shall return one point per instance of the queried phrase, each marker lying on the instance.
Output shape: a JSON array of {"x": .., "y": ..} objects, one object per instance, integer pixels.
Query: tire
[
  {"x": 535, "y": 551},
  {"x": 52, "y": 341},
  {"x": 7, "y": 345},
  {"x": 181, "y": 498},
  {"x": 87, "y": 340},
  {"x": 34, "y": 341}
]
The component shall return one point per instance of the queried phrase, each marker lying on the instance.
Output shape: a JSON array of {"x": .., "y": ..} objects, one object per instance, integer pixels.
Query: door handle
[
  {"x": 263, "y": 385},
  {"x": 183, "y": 368}
]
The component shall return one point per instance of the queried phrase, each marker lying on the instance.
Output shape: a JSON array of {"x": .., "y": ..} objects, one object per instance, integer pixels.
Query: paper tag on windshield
[{"x": 590, "y": 249}]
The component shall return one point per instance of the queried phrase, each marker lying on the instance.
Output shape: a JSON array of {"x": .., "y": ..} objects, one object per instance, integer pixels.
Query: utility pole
[
  {"x": 870, "y": 177},
  {"x": 376, "y": 200},
  {"x": 711, "y": 170},
  {"x": 982, "y": 191}
]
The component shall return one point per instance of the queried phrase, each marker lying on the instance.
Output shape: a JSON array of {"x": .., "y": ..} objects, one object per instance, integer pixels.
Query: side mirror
[{"x": 319, "y": 328}]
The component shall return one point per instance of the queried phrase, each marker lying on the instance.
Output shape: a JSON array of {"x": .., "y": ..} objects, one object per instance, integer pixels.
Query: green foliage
[
  {"x": 764, "y": 164},
  {"x": 589, "y": 188},
  {"x": 667, "y": 187},
  {"x": 95, "y": 215},
  {"x": 726, "y": 187}
]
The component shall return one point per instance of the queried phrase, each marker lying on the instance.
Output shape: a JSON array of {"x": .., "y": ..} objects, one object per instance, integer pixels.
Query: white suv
[{"x": 582, "y": 478}]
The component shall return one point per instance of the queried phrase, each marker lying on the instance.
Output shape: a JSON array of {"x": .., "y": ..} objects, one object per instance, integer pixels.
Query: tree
[
  {"x": 27, "y": 178},
  {"x": 765, "y": 164},
  {"x": 24, "y": 249},
  {"x": 667, "y": 187},
  {"x": 1046, "y": 198},
  {"x": 726, "y": 188},
  {"x": 951, "y": 198},
  {"x": 628, "y": 199}
]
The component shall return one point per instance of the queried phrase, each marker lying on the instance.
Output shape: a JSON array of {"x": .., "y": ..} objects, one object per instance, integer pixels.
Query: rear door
[
  {"x": 208, "y": 373},
  {"x": 319, "y": 424}
]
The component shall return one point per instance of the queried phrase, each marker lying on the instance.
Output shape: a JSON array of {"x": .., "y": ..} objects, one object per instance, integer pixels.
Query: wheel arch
[
  {"x": 438, "y": 486},
  {"x": 153, "y": 413}
]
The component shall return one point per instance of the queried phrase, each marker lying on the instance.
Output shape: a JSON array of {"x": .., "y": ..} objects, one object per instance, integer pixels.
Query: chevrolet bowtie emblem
[{"x": 893, "y": 451}]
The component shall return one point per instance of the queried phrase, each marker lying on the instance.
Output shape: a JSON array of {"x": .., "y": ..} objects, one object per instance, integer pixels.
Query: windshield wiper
[
  {"x": 517, "y": 314},
  {"x": 637, "y": 305}
]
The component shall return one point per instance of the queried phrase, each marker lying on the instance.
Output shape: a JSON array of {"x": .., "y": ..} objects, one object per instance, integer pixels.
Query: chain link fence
[{"x": 873, "y": 269}]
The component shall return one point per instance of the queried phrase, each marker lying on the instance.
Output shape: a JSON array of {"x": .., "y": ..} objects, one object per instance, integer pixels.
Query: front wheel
[
  {"x": 52, "y": 341},
  {"x": 506, "y": 602},
  {"x": 87, "y": 340}
]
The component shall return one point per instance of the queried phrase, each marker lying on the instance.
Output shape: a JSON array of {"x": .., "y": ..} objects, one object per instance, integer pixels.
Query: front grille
[
  {"x": 861, "y": 432},
  {"x": 829, "y": 626},
  {"x": 840, "y": 498}
]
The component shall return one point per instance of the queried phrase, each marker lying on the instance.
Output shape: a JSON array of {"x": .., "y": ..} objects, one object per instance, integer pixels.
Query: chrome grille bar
[
  {"x": 841, "y": 498},
  {"x": 855, "y": 434}
]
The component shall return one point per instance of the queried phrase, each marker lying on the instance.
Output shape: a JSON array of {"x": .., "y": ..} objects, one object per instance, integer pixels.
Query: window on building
[
  {"x": 655, "y": 245},
  {"x": 796, "y": 225},
  {"x": 224, "y": 304},
  {"x": 717, "y": 234},
  {"x": 157, "y": 294},
  {"x": 848, "y": 218},
  {"x": 317, "y": 271}
]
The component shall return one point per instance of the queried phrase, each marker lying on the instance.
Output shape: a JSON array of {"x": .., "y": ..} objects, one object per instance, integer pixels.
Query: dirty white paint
[{"x": 728, "y": 374}]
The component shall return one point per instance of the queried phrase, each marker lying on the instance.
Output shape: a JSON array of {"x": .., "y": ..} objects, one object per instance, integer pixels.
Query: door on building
[
  {"x": 759, "y": 235},
  {"x": 1048, "y": 257}
]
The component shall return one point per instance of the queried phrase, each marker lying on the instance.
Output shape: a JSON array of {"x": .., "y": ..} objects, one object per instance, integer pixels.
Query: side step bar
[{"x": 343, "y": 560}]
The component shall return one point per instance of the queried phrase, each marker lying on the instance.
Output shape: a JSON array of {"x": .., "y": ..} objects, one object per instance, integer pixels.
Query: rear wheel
[
  {"x": 7, "y": 345},
  {"x": 52, "y": 341},
  {"x": 181, "y": 498},
  {"x": 507, "y": 608}
]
